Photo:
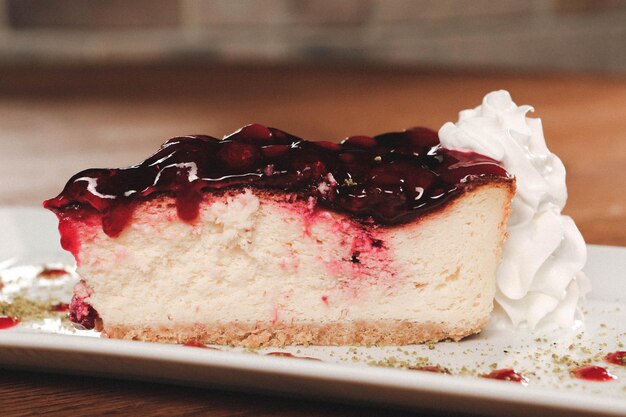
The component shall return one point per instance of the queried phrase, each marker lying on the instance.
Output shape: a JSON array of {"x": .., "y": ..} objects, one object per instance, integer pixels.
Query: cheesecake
[{"x": 266, "y": 239}]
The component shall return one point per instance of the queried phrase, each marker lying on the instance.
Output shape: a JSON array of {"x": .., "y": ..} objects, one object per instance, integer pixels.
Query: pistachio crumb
[{"x": 24, "y": 309}]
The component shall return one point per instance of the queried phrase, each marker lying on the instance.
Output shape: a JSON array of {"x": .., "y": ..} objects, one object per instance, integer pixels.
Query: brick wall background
[{"x": 582, "y": 35}]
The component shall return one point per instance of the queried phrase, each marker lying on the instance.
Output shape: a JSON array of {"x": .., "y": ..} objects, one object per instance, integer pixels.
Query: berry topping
[{"x": 390, "y": 178}]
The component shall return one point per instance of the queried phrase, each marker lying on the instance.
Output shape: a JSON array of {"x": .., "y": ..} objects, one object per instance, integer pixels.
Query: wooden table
[{"x": 57, "y": 121}]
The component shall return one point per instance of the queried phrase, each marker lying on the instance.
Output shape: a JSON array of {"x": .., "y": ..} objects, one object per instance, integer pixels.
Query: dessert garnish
[
  {"x": 431, "y": 368},
  {"x": 52, "y": 273},
  {"x": 6, "y": 322},
  {"x": 22, "y": 308},
  {"x": 61, "y": 308},
  {"x": 616, "y": 358},
  {"x": 507, "y": 374},
  {"x": 199, "y": 345},
  {"x": 593, "y": 373},
  {"x": 540, "y": 280},
  {"x": 290, "y": 355}
]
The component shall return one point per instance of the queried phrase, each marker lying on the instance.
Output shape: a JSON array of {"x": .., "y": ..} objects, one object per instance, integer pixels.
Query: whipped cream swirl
[{"x": 539, "y": 281}]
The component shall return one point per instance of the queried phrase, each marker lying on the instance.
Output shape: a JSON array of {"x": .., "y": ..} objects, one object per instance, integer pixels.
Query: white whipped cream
[{"x": 539, "y": 281}]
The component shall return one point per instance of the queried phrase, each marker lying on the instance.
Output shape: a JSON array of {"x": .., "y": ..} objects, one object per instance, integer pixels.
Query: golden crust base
[{"x": 253, "y": 335}]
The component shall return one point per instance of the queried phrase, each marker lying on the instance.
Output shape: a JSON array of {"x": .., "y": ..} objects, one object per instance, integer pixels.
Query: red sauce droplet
[
  {"x": 593, "y": 373},
  {"x": 7, "y": 322},
  {"x": 391, "y": 178},
  {"x": 188, "y": 204},
  {"x": 290, "y": 355},
  {"x": 116, "y": 217},
  {"x": 82, "y": 315},
  {"x": 61, "y": 308},
  {"x": 507, "y": 375},
  {"x": 51, "y": 273},
  {"x": 616, "y": 358},
  {"x": 431, "y": 368},
  {"x": 70, "y": 240},
  {"x": 199, "y": 345}
]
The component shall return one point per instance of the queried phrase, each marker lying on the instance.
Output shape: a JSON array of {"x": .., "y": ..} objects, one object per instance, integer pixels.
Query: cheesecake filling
[{"x": 540, "y": 279}]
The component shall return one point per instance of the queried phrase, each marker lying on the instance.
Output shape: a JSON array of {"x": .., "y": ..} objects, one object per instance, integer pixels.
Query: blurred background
[
  {"x": 102, "y": 83},
  {"x": 87, "y": 83},
  {"x": 537, "y": 34}
]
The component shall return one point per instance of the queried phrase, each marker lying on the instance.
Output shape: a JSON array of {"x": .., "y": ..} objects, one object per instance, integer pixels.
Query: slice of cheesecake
[{"x": 263, "y": 238}]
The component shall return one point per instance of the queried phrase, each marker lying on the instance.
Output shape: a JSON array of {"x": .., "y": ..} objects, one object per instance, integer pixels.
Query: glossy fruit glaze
[
  {"x": 616, "y": 358},
  {"x": 593, "y": 373},
  {"x": 507, "y": 374},
  {"x": 7, "y": 322},
  {"x": 61, "y": 308},
  {"x": 387, "y": 179},
  {"x": 51, "y": 273},
  {"x": 431, "y": 368},
  {"x": 199, "y": 345},
  {"x": 291, "y": 355}
]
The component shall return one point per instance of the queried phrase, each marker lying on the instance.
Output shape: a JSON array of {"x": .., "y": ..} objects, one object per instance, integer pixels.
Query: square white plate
[{"x": 346, "y": 374}]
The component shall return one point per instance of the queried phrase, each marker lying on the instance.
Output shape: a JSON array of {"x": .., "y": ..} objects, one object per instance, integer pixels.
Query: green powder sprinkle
[{"x": 24, "y": 309}]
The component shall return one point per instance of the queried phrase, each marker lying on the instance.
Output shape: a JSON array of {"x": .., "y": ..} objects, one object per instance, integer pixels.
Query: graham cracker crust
[{"x": 254, "y": 335}]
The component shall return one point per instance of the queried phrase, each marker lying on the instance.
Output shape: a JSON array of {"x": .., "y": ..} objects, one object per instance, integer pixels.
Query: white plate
[{"x": 347, "y": 374}]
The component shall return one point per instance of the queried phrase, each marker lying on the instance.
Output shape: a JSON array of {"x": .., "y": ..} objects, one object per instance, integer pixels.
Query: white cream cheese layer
[{"x": 540, "y": 282}]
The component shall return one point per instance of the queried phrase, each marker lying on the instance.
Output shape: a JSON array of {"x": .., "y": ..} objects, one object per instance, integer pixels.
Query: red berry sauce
[
  {"x": 616, "y": 358},
  {"x": 82, "y": 314},
  {"x": 52, "y": 273},
  {"x": 391, "y": 178},
  {"x": 7, "y": 322},
  {"x": 199, "y": 345},
  {"x": 290, "y": 355},
  {"x": 431, "y": 368},
  {"x": 61, "y": 308},
  {"x": 507, "y": 375},
  {"x": 593, "y": 373}
]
